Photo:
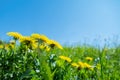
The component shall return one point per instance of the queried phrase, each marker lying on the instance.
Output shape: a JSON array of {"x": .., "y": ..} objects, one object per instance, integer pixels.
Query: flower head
[
  {"x": 53, "y": 43},
  {"x": 28, "y": 41},
  {"x": 89, "y": 58},
  {"x": 15, "y": 35},
  {"x": 86, "y": 65},
  {"x": 36, "y": 36},
  {"x": 81, "y": 65},
  {"x": 75, "y": 65},
  {"x": 65, "y": 58},
  {"x": 43, "y": 38}
]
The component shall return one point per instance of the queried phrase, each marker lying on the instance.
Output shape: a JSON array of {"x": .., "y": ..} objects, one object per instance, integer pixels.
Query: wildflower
[
  {"x": 43, "y": 38},
  {"x": 87, "y": 66},
  {"x": 53, "y": 43},
  {"x": 89, "y": 58},
  {"x": 15, "y": 35},
  {"x": 81, "y": 65},
  {"x": 65, "y": 58},
  {"x": 75, "y": 65},
  {"x": 28, "y": 41},
  {"x": 36, "y": 36}
]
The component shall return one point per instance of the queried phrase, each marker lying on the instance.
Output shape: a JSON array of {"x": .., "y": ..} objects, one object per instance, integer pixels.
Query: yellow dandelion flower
[
  {"x": 75, "y": 65},
  {"x": 44, "y": 38},
  {"x": 89, "y": 58},
  {"x": 81, "y": 65},
  {"x": 28, "y": 41},
  {"x": 36, "y": 36},
  {"x": 15, "y": 35},
  {"x": 65, "y": 58},
  {"x": 40, "y": 37},
  {"x": 87, "y": 66},
  {"x": 53, "y": 43}
]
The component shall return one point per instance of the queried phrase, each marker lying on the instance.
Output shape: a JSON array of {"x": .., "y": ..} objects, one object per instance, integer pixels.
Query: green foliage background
[{"x": 19, "y": 64}]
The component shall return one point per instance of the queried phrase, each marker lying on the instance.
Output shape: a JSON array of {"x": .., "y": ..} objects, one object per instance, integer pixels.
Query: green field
[{"x": 40, "y": 58}]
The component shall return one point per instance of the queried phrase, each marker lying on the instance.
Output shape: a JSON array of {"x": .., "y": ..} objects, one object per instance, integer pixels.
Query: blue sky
[{"x": 67, "y": 21}]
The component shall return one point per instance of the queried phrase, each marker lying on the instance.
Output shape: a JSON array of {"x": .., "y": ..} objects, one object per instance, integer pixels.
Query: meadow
[{"x": 36, "y": 57}]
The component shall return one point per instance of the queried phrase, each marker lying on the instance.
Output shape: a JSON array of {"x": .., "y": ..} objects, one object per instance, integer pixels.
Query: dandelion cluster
[
  {"x": 32, "y": 42},
  {"x": 80, "y": 65}
]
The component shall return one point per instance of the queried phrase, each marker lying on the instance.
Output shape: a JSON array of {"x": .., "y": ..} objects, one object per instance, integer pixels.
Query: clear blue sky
[{"x": 61, "y": 20}]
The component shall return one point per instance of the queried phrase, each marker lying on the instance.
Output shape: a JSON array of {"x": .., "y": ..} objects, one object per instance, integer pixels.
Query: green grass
[{"x": 19, "y": 64}]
